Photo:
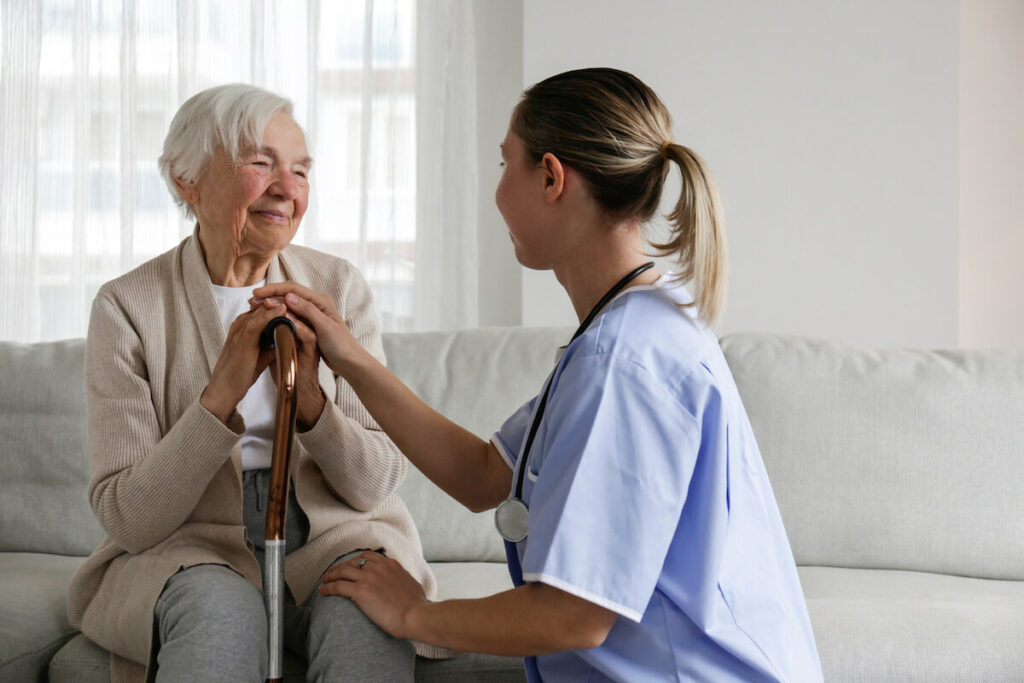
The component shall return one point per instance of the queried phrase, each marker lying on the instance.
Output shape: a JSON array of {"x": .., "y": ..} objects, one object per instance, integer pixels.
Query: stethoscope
[{"x": 512, "y": 517}]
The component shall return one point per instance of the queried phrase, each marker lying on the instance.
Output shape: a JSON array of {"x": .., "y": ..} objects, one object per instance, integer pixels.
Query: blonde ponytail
[
  {"x": 698, "y": 233},
  {"x": 612, "y": 129}
]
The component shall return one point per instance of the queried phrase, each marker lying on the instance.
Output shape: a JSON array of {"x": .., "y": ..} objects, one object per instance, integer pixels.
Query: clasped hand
[
  {"x": 241, "y": 362},
  {"x": 336, "y": 343}
]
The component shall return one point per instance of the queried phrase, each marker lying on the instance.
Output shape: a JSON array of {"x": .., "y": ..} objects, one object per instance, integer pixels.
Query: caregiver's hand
[
  {"x": 380, "y": 587},
  {"x": 337, "y": 345},
  {"x": 241, "y": 361}
]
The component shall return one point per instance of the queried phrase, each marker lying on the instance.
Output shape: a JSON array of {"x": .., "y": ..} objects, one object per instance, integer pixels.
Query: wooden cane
[{"x": 280, "y": 336}]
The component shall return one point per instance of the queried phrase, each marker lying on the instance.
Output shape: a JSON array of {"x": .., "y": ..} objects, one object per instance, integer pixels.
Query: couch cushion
[
  {"x": 876, "y": 625},
  {"x": 44, "y": 465},
  {"x": 33, "y": 612},
  {"x": 457, "y": 580},
  {"x": 890, "y": 459},
  {"x": 477, "y": 378}
]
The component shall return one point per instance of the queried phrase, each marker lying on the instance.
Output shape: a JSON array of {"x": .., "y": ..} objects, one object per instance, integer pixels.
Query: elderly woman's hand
[
  {"x": 240, "y": 363},
  {"x": 310, "y": 397},
  {"x": 333, "y": 337}
]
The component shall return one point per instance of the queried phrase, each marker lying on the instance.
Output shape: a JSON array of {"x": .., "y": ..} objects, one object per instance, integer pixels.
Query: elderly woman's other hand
[
  {"x": 310, "y": 397},
  {"x": 241, "y": 361}
]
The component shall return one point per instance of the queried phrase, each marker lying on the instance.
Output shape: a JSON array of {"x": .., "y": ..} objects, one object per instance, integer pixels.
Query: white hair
[{"x": 232, "y": 117}]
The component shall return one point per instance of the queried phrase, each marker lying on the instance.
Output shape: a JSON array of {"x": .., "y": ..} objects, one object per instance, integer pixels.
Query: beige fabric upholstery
[
  {"x": 890, "y": 459},
  {"x": 876, "y": 625},
  {"x": 44, "y": 506},
  {"x": 884, "y": 460}
]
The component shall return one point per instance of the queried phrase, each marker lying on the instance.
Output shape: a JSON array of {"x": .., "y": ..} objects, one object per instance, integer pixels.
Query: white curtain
[
  {"x": 88, "y": 90},
  {"x": 447, "y": 167}
]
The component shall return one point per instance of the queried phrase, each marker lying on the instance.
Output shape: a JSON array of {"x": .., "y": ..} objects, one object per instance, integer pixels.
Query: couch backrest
[
  {"x": 886, "y": 459},
  {"x": 44, "y": 465},
  {"x": 890, "y": 459},
  {"x": 476, "y": 377}
]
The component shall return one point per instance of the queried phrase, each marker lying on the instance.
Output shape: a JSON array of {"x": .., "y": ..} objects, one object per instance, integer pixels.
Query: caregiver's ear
[{"x": 554, "y": 176}]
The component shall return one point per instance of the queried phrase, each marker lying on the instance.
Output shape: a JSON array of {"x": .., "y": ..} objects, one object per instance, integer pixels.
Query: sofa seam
[{"x": 38, "y": 651}]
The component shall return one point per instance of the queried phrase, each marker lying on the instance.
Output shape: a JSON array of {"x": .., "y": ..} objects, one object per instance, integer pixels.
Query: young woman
[{"x": 642, "y": 534}]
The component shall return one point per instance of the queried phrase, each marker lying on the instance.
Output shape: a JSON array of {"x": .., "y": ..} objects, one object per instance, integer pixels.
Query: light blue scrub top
[{"x": 648, "y": 496}]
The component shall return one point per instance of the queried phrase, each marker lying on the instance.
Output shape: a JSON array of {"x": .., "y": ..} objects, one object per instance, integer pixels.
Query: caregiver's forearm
[
  {"x": 534, "y": 619},
  {"x": 466, "y": 467}
]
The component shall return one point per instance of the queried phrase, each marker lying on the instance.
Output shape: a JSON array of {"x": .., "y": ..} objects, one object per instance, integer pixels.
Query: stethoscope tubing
[{"x": 539, "y": 413}]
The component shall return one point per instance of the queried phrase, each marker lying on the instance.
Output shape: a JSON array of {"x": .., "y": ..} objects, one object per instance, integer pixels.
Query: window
[{"x": 89, "y": 203}]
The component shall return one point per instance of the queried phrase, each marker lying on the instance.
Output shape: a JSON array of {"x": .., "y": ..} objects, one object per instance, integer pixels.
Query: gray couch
[{"x": 900, "y": 476}]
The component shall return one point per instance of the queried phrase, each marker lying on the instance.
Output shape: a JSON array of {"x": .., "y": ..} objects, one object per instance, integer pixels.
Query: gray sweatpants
[{"x": 211, "y": 624}]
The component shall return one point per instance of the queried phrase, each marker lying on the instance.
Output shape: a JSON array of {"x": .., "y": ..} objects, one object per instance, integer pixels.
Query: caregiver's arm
[
  {"x": 533, "y": 619},
  {"x": 466, "y": 467},
  {"x": 359, "y": 463}
]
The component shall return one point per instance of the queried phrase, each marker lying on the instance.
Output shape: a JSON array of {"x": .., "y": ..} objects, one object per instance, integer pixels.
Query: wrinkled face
[
  {"x": 517, "y": 196},
  {"x": 256, "y": 203}
]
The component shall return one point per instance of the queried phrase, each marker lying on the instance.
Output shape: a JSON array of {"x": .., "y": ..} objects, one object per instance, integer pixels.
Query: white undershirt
[{"x": 257, "y": 407}]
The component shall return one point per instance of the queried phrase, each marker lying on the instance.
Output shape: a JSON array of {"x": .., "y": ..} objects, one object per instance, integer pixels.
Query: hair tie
[{"x": 664, "y": 148}]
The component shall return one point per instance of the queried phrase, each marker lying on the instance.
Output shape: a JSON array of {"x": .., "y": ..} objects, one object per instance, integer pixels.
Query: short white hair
[{"x": 232, "y": 117}]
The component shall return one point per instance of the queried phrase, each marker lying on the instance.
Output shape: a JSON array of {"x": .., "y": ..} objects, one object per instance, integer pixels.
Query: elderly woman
[{"x": 180, "y": 415}]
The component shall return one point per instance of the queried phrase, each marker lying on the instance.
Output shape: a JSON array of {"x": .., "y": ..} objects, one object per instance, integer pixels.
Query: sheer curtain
[{"x": 88, "y": 90}]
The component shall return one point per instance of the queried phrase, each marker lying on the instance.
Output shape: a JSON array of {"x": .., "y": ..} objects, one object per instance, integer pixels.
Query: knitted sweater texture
[{"x": 165, "y": 474}]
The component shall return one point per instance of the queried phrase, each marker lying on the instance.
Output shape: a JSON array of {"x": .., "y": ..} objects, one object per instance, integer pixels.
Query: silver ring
[{"x": 361, "y": 563}]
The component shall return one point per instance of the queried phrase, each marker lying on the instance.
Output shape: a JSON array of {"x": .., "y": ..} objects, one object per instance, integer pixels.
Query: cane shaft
[
  {"x": 273, "y": 589},
  {"x": 277, "y": 495},
  {"x": 284, "y": 429}
]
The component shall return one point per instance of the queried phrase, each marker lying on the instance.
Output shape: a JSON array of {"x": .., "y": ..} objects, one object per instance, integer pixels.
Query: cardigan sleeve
[
  {"x": 359, "y": 461},
  {"x": 143, "y": 483}
]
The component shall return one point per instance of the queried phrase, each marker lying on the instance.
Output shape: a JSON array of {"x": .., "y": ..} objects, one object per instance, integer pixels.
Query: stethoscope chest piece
[{"x": 512, "y": 519}]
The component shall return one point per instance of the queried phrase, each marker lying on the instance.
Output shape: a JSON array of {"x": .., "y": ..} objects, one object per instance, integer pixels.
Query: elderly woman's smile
[{"x": 271, "y": 215}]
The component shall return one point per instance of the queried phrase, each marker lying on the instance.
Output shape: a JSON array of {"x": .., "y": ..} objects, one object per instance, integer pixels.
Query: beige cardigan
[{"x": 166, "y": 474}]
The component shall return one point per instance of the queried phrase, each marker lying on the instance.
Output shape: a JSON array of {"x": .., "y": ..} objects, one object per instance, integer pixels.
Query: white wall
[
  {"x": 832, "y": 130},
  {"x": 499, "y": 47},
  {"x": 992, "y": 174}
]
